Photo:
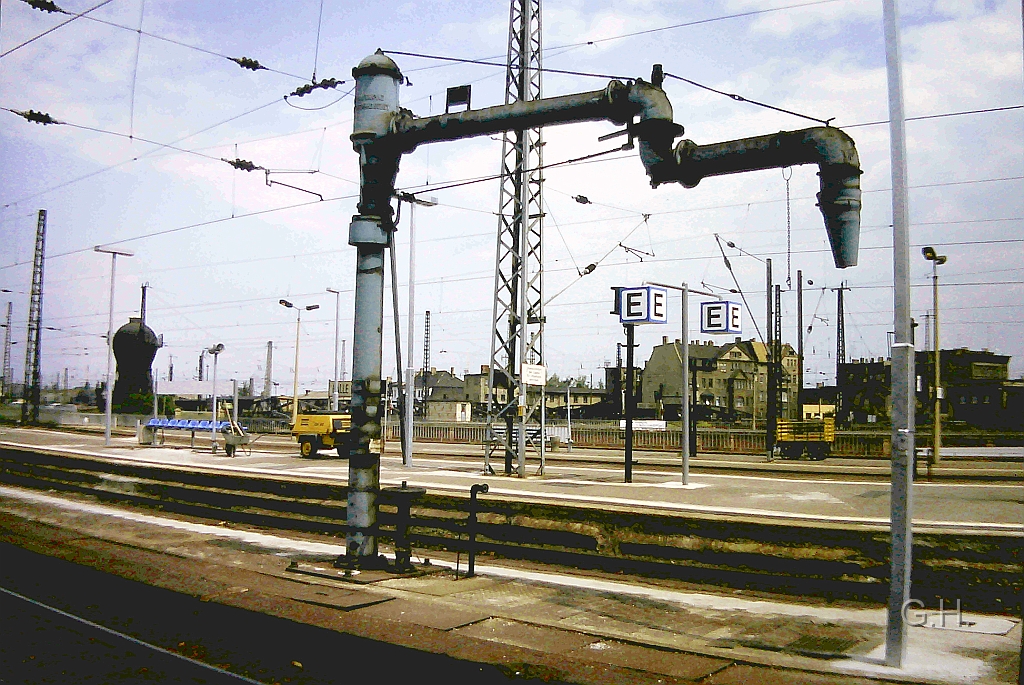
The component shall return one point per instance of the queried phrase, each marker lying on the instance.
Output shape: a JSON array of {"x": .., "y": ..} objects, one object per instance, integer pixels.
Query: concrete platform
[{"x": 533, "y": 621}]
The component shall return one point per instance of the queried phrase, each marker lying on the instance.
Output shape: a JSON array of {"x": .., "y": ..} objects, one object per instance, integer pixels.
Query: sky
[{"x": 149, "y": 118}]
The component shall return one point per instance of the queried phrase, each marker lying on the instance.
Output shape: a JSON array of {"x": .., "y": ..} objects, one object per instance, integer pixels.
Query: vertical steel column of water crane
[{"x": 376, "y": 103}]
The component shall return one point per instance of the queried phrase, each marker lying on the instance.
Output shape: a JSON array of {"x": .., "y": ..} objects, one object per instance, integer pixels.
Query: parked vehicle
[
  {"x": 813, "y": 439},
  {"x": 315, "y": 432}
]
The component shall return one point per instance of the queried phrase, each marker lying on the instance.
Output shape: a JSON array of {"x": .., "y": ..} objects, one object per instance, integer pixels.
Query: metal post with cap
[
  {"x": 215, "y": 350},
  {"x": 108, "y": 392},
  {"x": 295, "y": 375},
  {"x": 936, "y": 260}
]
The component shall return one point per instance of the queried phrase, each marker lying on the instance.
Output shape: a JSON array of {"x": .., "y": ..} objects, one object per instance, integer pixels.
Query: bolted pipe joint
[
  {"x": 655, "y": 130},
  {"x": 831, "y": 149}
]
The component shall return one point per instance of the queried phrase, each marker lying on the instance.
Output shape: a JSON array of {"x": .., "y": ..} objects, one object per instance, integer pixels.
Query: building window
[{"x": 740, "y": 402}]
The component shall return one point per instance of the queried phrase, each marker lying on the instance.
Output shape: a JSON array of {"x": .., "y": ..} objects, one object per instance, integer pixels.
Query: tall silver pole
[
  {"x": 295, "y": 376},
  {"x": 902, "y": 357},
  {"x": 684, "y": 391},
  {"x": 337, "y": 324},
  {"x": 410, "y": 373},
  {"x": 568, "y": 416},
  {"x": 234, "y": 400},
  {"x": 110, "y": 353},
  {"x": 937, "y": 422},
  {"x": 213, "y": 423}
]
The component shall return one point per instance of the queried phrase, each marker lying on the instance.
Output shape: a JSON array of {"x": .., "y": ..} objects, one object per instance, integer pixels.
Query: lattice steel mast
[
  {"x": 517, "y": 335},
  {"x": 30, "y": 409}
]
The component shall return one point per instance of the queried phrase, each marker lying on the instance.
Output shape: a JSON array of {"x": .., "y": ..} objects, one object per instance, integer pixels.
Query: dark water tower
[{"x": 135, "y": 346}]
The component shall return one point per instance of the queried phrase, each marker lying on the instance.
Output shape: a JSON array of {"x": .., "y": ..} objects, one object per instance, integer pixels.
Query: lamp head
[
  {"x": 286, "y": 303},
  {"x": 216, "y": 349},
  {"x": 311, "y": 307},
  {"x": 930, "y": 254}
]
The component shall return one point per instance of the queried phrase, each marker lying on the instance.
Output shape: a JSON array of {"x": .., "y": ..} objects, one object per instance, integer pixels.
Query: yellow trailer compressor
[{"x": 315, "y": 432}]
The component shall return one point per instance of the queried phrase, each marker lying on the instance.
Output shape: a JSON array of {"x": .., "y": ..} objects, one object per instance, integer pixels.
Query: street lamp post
[
  {"x": 410, "y": 368},
  {"x": 295, "y": 377},
  {"x": 337, "y": 321},
  {"x": 215, "y": 351},
  {"x": 108, "y": 393},
  {"x": 936, "y": 260}
]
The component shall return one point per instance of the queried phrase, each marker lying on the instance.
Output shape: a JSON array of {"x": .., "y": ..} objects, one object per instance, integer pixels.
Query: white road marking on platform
[{"x": 798, "y": 496}]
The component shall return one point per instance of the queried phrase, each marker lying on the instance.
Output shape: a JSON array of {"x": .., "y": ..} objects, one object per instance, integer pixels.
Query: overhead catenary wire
[
  {"x": 54, "y": 28},
  {"x": 739, "y": 289},
  {"x": 740, "y": 98},
  {"x": 143, "y": 155},
  {"x": 243, "y": 62},
  {"x": 135, "y": 68}
]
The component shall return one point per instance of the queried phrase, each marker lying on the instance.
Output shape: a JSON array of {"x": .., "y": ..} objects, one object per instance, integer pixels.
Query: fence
[{"x": 736, "y": 441}]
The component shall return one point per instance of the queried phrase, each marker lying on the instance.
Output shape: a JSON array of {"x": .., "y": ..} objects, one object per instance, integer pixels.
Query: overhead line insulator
[
  {"x": 35, "y": 117},
  {"x": 310, "y": 87},
  {"x": 242, "y": 164},
  {"x": 44, "y": 5},
  {"x": 247, "y": 63}
]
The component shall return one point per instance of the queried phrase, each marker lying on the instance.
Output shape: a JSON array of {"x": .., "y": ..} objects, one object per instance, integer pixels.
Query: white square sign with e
[
  {"x": 643, "y": 305},
  {"x": 720, "y": 317}
]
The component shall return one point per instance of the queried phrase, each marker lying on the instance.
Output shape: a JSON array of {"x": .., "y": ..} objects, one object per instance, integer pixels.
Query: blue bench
[{"x": 189, "y": 424}]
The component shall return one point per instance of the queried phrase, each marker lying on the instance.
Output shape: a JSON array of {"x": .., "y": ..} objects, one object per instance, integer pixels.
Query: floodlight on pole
[
  {"x": 295, "y": 377},
  {"x": 108, "y": 394},
  {"x": 410, "y": 367},
  {"x": 936, "y": 260},
  {"x": 337, "y": 322}
]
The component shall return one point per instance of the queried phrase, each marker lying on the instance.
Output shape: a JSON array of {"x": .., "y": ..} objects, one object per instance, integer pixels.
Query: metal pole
[
  {"x": 213, "y": 424},
  {"x": 398, "y": 347},
  {"x": 770, "y": 407},
  {"x": 337, "y": 329},
  {"x": 799, "y": 343},
  {"x": 410, "y": 372},
  {"x": 568, "y": 416},
  {"x": 629, "y": 402},
  {"x": 295, "y": 376},
  {"x": 901, "y": 554},
  {"x": 234, "y": 400},
  {"x": 684, "y": 395},
  {"x": 937, "y": 422},
  {"x": 110, "y": 352}
]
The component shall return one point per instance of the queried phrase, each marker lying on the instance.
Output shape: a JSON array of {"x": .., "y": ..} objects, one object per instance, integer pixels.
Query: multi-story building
[
  {"x": 976, "y": 383},
  {"x": 731, "y": 378}
]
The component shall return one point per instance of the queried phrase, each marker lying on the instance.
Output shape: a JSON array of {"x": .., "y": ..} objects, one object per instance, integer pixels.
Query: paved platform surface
[
  {"x": 962, "y": 507},
  {"x": 579, "y": 627}
]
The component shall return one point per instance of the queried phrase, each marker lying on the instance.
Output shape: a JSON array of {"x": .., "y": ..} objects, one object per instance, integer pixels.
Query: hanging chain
[{"x": 789, "y": 231}]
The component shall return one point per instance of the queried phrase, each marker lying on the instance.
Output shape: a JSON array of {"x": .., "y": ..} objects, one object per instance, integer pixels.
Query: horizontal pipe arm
[
  {"x": 617, "y": 102},
  {"x": 830, "y": 148}
]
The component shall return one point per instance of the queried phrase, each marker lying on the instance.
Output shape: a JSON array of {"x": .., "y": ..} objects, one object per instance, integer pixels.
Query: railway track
[
  {"x": 984, "y": 571},
  {"x": 863, "y": 468}
]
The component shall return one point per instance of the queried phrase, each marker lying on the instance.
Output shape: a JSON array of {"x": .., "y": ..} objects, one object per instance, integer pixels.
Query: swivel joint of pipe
[{"x": 655, "y": 129}]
